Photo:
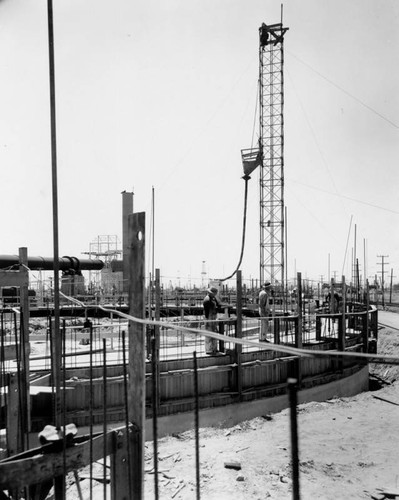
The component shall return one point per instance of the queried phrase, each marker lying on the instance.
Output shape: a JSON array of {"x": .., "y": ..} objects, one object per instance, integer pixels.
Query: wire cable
[{"x": 345, "y": 91}]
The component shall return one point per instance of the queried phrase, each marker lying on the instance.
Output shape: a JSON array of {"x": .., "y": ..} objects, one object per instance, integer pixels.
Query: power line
[
  {"x": 347, "y": 197},
  {"x": 346, "y": 92}
]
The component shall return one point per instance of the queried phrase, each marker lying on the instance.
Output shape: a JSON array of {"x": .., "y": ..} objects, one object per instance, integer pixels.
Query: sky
[{"x": 160, "y": 96}]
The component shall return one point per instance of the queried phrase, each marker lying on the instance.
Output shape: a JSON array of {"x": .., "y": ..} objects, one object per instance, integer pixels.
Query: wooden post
[
  {"x": 158, "y": 331},
  {"x": 332, "y": 300},
  {"x": 14, "y": 441},
  {"x": 298, "y": 336},
  {"x": 342, "y": 326},
  {"x": 25, "y": 345},
  {"x": 390, "y": 287},
  {"x": 341, "y": 339},
  {"x": 366, "y": 333},
  {"x": 238, "y": 348},
  {"x": 276, "y": 329},
  {"x": 136, "y": 395},
  {"x": 298, "y": 331},
  {"x": 318, "y": 327},
  {"x": 120, "y": 489},
  {"x": 221, "y": 332}
]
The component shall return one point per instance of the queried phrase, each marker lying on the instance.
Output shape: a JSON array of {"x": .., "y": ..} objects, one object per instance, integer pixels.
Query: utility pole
[
  {"x": 383, "y": 263},
  {"x": 390, "y": 287}
]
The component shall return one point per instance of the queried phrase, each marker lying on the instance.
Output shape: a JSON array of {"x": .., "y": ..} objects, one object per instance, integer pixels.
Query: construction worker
[
  {"x": 264, "y": 309},
  {"x": 211, "y": 305}
]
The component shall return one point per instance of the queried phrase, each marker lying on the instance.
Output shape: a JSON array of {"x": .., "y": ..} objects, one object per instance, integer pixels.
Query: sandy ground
[{"x": 348, "y": 448}]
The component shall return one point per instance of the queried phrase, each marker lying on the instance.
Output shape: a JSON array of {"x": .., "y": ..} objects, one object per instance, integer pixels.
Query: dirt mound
[{"x": 388, "y": 344}]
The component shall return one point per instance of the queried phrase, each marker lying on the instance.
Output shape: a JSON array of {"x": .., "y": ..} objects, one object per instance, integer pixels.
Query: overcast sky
[{"x": 162, "y": 93}]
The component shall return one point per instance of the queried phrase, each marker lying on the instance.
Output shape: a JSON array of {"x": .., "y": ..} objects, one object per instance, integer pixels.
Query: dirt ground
[{"x": 348, "y": 448}]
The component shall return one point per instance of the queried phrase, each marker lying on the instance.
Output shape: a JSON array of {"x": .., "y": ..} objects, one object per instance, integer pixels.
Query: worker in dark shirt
[{"x": 211, "y": 305}]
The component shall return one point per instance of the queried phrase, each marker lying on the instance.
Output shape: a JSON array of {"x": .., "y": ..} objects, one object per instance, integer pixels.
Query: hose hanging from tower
[{"x": 244, "y": 225}]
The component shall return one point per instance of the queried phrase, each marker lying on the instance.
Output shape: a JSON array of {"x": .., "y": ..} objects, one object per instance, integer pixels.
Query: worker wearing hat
[
  {"x": 264, "y": 309},
  {"x": 211, "y": 305}
]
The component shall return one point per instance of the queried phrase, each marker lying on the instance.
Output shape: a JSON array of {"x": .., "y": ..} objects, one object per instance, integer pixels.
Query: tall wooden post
[
  {"x": 136, "y": 395},
  {"x": 238, "y": 348},
  {"x": 342, "y": 329},
  {"x": 298, "y": 336},
  {"x": 318, "y": 327},
  {"x": 298, "y": 331},
  {"x": 25, "y": 345},
  {"x": 14, "y": 435},
  {"x": 157, "y": 330},
  {"x": 366, "y": 333},
  {"x": 341, "y": 339}
]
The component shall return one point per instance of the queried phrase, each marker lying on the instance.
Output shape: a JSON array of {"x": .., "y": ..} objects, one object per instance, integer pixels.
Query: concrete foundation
[{"x": 230, "y": 415}]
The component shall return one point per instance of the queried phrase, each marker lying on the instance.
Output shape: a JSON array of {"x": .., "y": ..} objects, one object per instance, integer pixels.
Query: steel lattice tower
[{"x": 271, "y": 143}]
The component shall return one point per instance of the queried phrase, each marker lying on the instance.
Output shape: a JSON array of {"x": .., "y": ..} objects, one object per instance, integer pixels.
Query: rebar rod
[
  {"x": 105, "y": 417},
  {"x": 91, "y": 409},
  {"x": 155, "y": 414},
  {"x": 292, "y": 390},
  {"x": 196, "y": 415}
]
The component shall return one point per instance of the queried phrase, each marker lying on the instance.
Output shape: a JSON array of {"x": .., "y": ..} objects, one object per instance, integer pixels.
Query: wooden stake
[
  {"x": 298, "y": 332},
  {"x": 136, "y": 396},
  {"x": 25, "y": 345}
]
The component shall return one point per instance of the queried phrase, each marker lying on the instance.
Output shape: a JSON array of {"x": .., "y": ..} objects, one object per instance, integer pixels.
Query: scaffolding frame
[
  {"x": 106, "y": 247},
  {"x": 271, "y": 143}
]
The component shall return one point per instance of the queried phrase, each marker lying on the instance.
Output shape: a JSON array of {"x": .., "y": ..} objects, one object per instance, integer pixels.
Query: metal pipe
[{"x": 47, "y": 263}]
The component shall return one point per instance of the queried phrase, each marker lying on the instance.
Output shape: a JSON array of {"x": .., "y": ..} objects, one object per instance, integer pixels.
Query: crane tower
[{"x": 271, "y": 144}]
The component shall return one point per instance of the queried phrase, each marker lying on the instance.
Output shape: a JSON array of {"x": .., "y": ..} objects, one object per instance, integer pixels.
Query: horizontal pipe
[{"x": 47, "y": 263}]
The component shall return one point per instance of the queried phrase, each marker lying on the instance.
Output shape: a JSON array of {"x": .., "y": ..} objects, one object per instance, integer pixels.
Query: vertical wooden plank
[
  {"x": 120, "y": 467},
  {"x": 14, "y": 441},
  {"x": 276, "y": 329},
  {"x": 318, "y": 327},
  {"x": 158, "y": 331},
  {"x": 298, "y": 336},
  {"x": 238, "y": 348},
  {"x": 298, "y": 331},
  {"x": 25, "y": 345},
  {"x": 136, "y": 395},
  {"x": 366, "y": 333},
  {"x": 341, "y": 340},
  {"x": 332, "y": 301}
]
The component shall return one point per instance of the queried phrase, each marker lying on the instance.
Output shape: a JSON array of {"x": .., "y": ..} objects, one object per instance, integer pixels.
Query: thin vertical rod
[
  {"x": 354, "y": 259},
  {"x": 91, "y": 401},
  {"x": 105, "y": 417},
  {"x": 196, "y": 415},
  {"x": 155, "y": 413},
  {"x": 59, "y": 483},
  {"x": 153, "y": 234},
  {"x": 55, "y": 214},
  {"x": 63, "y": 395},
  {"x": 292, "y": 390}
]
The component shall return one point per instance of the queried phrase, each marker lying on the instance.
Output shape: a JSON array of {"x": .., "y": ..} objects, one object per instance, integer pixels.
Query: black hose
[{"x": 244, "y": 225}]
